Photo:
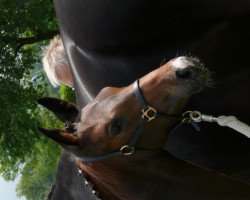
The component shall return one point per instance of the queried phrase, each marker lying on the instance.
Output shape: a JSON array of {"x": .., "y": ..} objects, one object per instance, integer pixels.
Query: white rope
[
  {"x": 235, "y": 124},
  {"x": 229, "y": 121}
]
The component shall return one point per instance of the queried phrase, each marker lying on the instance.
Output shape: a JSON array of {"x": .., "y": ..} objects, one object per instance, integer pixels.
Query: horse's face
[{"x": 110, "y": 120}]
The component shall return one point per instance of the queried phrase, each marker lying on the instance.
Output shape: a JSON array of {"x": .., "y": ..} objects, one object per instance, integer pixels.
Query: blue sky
[{"x": 7, "y": 190}]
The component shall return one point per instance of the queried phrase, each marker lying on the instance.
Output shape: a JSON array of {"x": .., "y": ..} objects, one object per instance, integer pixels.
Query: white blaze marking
[{"x": 181, "y": 63}]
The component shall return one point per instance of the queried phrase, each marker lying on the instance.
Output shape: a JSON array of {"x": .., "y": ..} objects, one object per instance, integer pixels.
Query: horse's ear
[
  {"x": 64, "y": 110},
  {"x": 65, "y": 139}
]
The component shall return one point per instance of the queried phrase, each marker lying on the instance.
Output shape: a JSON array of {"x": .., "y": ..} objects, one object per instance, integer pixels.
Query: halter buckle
[
  {"x": 126, "y": 150},
  {"x": 150, "y": 113}
]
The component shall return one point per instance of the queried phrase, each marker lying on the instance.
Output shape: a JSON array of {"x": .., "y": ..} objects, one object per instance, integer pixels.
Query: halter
[{"x": 148, "y": 114}]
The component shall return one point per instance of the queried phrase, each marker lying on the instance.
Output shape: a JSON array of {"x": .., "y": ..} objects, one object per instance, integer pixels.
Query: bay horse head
[{"x": 108, "y": 123}]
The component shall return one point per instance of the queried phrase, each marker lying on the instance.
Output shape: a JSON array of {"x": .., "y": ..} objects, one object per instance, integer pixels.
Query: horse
[
  {"x": 118, "y": 138},
  {"x": 112, "y": 43}
]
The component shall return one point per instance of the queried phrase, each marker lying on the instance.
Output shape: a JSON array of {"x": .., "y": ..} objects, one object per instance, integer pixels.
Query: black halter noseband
[{"x": 148, "y": 114}]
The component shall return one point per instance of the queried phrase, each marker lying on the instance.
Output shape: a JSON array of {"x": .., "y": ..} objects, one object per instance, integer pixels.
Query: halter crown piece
[{"x": 148, "y": 114}]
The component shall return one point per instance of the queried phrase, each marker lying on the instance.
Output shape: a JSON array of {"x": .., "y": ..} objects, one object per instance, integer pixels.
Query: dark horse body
[{"x": 114, "y": 43}]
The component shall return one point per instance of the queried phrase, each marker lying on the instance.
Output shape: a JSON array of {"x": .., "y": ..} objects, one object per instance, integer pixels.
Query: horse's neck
[
  {"x": 160, "y": 175},
  {"x": 137, "y": 177},
  {"x": 127, "y": 177}
]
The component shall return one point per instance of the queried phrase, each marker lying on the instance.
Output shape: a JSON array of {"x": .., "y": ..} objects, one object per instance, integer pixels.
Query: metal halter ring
[
  {"x": 192, "y": 115},
  {"x": 126, "y": 150},
  {"x": 150, "y": 113},
  {"x": 196, "y": 116}
]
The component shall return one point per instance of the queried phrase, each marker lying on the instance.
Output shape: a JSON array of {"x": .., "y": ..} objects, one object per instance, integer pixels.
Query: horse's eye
[{"x": 116, "y": 128}]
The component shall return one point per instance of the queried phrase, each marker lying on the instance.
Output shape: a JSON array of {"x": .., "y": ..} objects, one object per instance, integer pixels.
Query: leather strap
[
  {"x": 142, "y": 101},
  {"x": 139, "y": 95}
]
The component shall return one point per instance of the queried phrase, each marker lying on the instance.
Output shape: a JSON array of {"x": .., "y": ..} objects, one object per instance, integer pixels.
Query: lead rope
[{"x": 229, "y": 121}]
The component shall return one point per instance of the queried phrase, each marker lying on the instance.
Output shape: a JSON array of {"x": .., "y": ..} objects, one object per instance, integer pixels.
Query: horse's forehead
[
  {"x": 111, "y": 97},
  {"x": 107, "y": 104},
  {"x": 98, "y": 108}
]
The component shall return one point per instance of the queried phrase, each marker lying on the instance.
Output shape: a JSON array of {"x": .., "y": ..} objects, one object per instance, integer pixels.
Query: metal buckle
[
  {"x": 126, "y": 150},
  {"x": 150, "y": 111},
  {"x": 186, "y": 117},
  {"x": 192, "y": 115}
]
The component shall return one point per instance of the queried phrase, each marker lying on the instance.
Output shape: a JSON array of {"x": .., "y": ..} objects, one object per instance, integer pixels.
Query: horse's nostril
[{"x": 186, "y": 73}]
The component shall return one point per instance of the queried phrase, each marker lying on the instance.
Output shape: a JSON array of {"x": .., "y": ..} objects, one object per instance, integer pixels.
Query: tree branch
[{"x": 39, "y": 37}]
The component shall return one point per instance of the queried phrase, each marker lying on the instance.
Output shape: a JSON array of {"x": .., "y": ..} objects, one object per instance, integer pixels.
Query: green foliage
[
  {"x": 19, "y": 113},
  {"x": 17, "y": 132},
  {"x": 19, "y": 116},
  {"x": 67, "y": 93},
  {"x": 25, "y": 26},
  {"x": 38, "y": 174},
  {"x": 25, "y": 19}
]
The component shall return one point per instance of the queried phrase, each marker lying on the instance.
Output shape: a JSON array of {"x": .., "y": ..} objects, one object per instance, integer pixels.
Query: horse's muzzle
[{"x": 191, "y": 74}]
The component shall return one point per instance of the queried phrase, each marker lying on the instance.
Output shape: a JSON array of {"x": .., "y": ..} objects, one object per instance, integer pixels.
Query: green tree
[
  {"x": 24, "y": 27},
  {"x": 67, "y": 94},
  {"x": 38, "y": 174}
]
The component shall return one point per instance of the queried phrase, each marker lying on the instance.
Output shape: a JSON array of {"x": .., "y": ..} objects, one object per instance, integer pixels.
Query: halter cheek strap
[{"x": 148, "y": 114}]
